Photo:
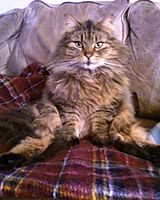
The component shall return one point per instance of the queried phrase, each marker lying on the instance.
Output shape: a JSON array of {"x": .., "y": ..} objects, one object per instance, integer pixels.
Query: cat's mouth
[
  {"x": 89, "y": 65},
  {"x": 88, "y": 62}
]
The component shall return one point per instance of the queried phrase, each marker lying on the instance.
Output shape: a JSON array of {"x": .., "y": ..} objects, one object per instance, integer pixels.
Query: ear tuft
[
  {"x": 107, "y": 25},
  {"x": 71, "y": 22}
]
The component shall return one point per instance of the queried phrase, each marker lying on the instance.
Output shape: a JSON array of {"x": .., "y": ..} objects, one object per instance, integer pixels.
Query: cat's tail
[
  {"x": 137, "y": 146},
  {"x": 43, "y": 150}
]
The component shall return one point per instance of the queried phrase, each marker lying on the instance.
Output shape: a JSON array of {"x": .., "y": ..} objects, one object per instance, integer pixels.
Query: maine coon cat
[{"x": 87, "y": 94}]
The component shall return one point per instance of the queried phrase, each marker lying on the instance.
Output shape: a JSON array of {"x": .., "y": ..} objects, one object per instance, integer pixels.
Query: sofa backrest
[{"x": 144, "y": 68}]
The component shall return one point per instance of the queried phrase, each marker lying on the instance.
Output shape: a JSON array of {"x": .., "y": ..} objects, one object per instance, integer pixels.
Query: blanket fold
[{"x": 25, "y": 88}]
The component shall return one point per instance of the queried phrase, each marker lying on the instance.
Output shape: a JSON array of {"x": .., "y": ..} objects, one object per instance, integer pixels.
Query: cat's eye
[
  {"x": 78, "y": 44},
  {"x": 98, "y": 45}
]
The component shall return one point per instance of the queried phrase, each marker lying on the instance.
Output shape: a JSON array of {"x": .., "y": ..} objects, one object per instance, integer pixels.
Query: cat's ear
[
  {"x": 71, "y": 22},
  {"x": 107, "y": 24}
]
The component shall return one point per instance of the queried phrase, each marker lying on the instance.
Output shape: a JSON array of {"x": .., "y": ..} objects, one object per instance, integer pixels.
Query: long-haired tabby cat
[{"x": 87, "y": 94}]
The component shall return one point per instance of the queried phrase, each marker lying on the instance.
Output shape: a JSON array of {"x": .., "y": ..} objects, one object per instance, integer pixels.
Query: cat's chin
[{"x": 91, "y": 67}]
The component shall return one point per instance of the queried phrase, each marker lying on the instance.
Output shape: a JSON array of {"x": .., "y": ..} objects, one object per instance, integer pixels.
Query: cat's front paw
[
  {"x": 69, "y": 136},
  {"x": 71, "y": 140},
  {"x": 100, "y": 140}
]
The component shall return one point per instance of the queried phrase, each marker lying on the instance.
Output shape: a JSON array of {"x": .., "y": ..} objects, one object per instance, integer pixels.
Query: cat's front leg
[
  {"x": 99, "y": 127},
  {"x": 70, "y": 127}
]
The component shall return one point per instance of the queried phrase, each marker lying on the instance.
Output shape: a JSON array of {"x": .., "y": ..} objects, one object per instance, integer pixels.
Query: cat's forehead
[
  {"x": 88, "y": 25},
  {"x": 88, "y": 31}
]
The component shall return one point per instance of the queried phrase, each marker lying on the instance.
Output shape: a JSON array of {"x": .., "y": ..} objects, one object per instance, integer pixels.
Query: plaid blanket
[
  {"x": 27, "y": 87},
  {"x": 84, "y": 172}
]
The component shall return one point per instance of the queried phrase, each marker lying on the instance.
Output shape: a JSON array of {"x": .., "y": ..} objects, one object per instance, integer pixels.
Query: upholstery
[{"x": 144, "y": 68}]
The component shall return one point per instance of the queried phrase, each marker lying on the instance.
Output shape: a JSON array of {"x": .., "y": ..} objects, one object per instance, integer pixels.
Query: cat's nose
[{"x": 88, "y": 55}]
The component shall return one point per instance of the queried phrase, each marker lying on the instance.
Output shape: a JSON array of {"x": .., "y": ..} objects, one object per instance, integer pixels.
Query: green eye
[
  {"x": 98, "y": 45},
  {"x": 78, "y": 44}
]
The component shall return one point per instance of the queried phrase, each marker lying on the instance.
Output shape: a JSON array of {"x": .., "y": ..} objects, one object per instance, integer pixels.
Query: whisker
[{"x": 112, "y": 64}]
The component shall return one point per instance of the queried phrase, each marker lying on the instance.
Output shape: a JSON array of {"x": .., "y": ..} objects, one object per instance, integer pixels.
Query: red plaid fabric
[
  {"x": 84, "y": 172},
  {"x": 20, "y": 90}
]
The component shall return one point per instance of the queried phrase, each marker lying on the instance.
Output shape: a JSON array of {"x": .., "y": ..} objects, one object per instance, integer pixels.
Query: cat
[{"x": 87, "y": 95}]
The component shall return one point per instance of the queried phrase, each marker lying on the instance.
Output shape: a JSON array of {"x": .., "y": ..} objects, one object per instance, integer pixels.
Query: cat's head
[{"x": 89, "y": 45}]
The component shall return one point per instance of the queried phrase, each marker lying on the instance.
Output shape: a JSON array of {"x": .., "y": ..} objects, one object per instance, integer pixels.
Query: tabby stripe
[
  {"x": 70, "y": 112},
  {"x": 69, "y": 123}
]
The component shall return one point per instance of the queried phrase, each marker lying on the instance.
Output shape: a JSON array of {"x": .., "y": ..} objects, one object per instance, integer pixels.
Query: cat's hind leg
[
  {"x": 45, "y": 122},
  {"x": 47, "y": 119},
  {"x": 45, "y": 125},
  {"x": 24, "y": 152},
  {"x": 137, "y": 145}
]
